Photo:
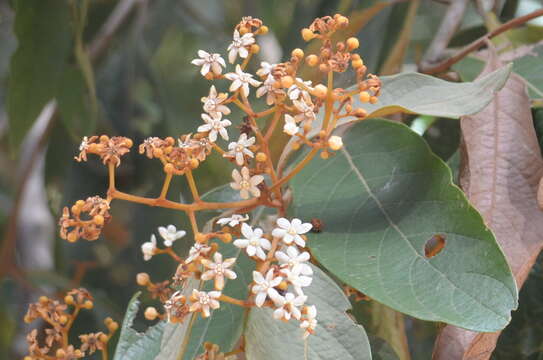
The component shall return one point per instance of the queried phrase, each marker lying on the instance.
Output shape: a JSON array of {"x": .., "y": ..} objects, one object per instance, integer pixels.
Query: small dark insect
[
  {"x": 317, "y": 225},
  {"x": 245, "y": 127}
]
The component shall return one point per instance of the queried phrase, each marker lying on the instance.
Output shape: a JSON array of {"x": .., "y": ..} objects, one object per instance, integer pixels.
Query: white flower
[
  {"x": 294, "y": 260},
  {"x": 245, "y": 183},
  {"x": 218, "y": 270},
  {"x": 265, "y": 69},
  {"x": 310, "y": 321},
  {"x": 289, "y": 306},
  {"x": 335, "y": 142},
  {"x": 290, "y": 126},
  {"x": 233, "y": 220},
  {"x": 297, "y": 280},
  {"x": 253, "y": 243},
  {"x": 239, "y": 46},
  {"x": 170, "y": 234},
  {"x": 207, "y": 61},
  {"x": 265, "y": 287},
  {"x": 213, "y": 102},
  {"x": 241, "y": 80},
  {"x": 306, "y": 109},
  {"x": 148, "y": 248},
  {"x": 268, "y": 88},
  {"x": 294, "y": 91},
  {"x": 291, "y": 231},
  {"x": 84, "y": 144},
  {"x": 240, "y": 148},
  {"x": 214, "y": 125},
  {"x": 196, "y": 251},
  {"x": 203, "y": 301}
]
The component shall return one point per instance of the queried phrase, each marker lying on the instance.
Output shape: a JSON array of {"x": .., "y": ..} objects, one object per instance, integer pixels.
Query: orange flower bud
[
  {"x": 151, "y": 313},
  {"x": 261, "y": 157},
  {"x": 320, "y": 91},
  {"x": 307, "y": 34},
  {"x": 287, "y": 81},
  {"x": 352, "y": 43},
  {"x": 297, "y": 53},
  {"x": 142, "y": 279},
  {"x": 312, "y": 60},
  {"x": 364, "y": 97}
]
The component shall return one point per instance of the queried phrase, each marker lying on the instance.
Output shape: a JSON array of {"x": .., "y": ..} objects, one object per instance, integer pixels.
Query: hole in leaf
[{"x": 434, "y": 245}]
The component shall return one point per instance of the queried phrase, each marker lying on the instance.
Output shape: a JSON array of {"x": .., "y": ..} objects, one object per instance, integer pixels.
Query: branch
[{"x": 445, "y": 65}]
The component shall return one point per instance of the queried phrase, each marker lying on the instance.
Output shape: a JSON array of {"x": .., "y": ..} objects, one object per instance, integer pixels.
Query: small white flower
[
  {"x": 233, "y": 220},
  {"x": 335, "y": 142},
  {"x": 246, "y": 183},
  {"x": 265, "y": 69},
  {"x": 310, "y": 321},
  {"x": 213, "y": 102},
  {"x": 239, "y": 46},
  {"x": 289, "y": 307},
  {"x": 241, "y": 80},
  {"x": 306, "y": 109},
  {"x": 294, "y": 260},
  {"x": 214, "y": 125},
  {"x": 196, "y": 251},
  {"x": 291, "y": 231},
  {"x": 207, "y": 61},
  {"x": 240, "y": 148},
  {"x": 148, "y": 248},
  {"x": 294, "y": 91},
  {"x": 253, "y": 243},
  {"x": 290, "y": 127},
  {"x": 84, "y": 144},
  {"x": 218, "y": 270},
  {"x": 170, "y": 234},
  {"x": 269, "y": 89},
  {"x": 265, "y": 287},
  {"x": 203, "y": 301},
  {"x": 297, "y": 280}
]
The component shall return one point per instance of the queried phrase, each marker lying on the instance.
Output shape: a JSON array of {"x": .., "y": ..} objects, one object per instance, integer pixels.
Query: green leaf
[
  {"x": 134, "y": 345},
  {"x": 74, "y": 104},
  {"x": 381, "y": 199},
  {"x": 337, "y": 336},
  {"x": 529, "y": 67},
  {"x": 43, "y": 33},
  {"x": 422, "y": 94}
]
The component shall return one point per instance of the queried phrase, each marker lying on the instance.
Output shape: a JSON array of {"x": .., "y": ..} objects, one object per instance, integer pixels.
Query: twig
[
  {"x": 450, "y": 23},
  {"x": 443, "y": 66}
]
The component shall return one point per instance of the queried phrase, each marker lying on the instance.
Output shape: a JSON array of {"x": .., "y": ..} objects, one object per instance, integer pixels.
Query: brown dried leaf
[{"x": 500, "y": 174}]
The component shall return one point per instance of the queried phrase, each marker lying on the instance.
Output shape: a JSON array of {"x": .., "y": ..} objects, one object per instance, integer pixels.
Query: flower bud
[
  {"x": 63, "y": 319},
  {"x": 113, "y": 326},
  {"x": 324, "y": 67},
  {"x": 342, "y": 21},
  {"x": 255, "y": 49},
  {"x": 287, "y": 81},
  {"x": 104, "y": 138},
  {"x": 261, "y": 157},
  {"x": 297, "y": 53},
  {"x": 364, "y": 97},
  {"x": 296, "y": 146},
  {"x": 150, "y": 313},
  {"x": 72, "y": 236},
  {"x": 357, "y": 64},
  {"x": 373, "y": 99},
  {"x": 128, "y": 142},
  {"x": 263, "y": 30},
  {"x": 320, "y": 91},
  {"x": 88, "y": 304},
  {"x": 142, "y": 279},
  {"x": 226, "y": 237},
  {"x": 69, "y": 300},
  {"x": 103, "y": 338},
  {"x": 352, "y": 43},
  {"x": 194, "y": 163},
  {"x": 325, "y": 155},
  {"x": 307, "y": 34},
  {"x": 98, "y": 220},
  {"x": 169, "y": 168},
  {"x": 312, "y": 60},
  {"x": 360, "y": 113},
  {"x": 335, "y": 142},
  {"x": 43, "y": 300}
]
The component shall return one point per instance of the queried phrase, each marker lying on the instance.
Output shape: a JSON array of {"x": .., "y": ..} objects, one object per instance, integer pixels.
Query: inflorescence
[{"x": 308, "y": 112}]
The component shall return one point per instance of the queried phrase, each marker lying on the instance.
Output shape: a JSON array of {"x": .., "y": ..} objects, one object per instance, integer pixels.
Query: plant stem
[
  {"x": 445, "y": 65},
  {"x": 166, "y": 186},
  {"x": 192, "y": 185},
  {"x": 231, "y": 300},
  {"x": 297, "y": 169}
]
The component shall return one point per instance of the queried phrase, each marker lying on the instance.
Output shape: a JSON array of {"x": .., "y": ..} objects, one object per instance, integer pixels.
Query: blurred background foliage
[{"x": 142, "y": 84}]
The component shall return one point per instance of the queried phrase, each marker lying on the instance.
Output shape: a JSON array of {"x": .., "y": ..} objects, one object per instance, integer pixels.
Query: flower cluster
[
  {"x": 303, "y": 112},
  {"x": 73, "y": 225},
  {"x": 59, "y": 320}
]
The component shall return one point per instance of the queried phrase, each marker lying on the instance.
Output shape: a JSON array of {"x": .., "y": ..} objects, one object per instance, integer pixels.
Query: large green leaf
[
  {"x": 422, "y": 94},
  {"x": 134, "y": 345},
  {"x": 337, "y": 336},
  {"x": 381, "y": 199},
  {"x": 43, "y": 32},
  {"x": 529, "y": 67}
]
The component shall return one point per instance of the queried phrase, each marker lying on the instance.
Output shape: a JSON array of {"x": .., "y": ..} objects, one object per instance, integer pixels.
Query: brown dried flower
[
  {"x": 109, "y": 149},
  {"x": 72, "y": 226},
  {"x": 93, "y": 341}
]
